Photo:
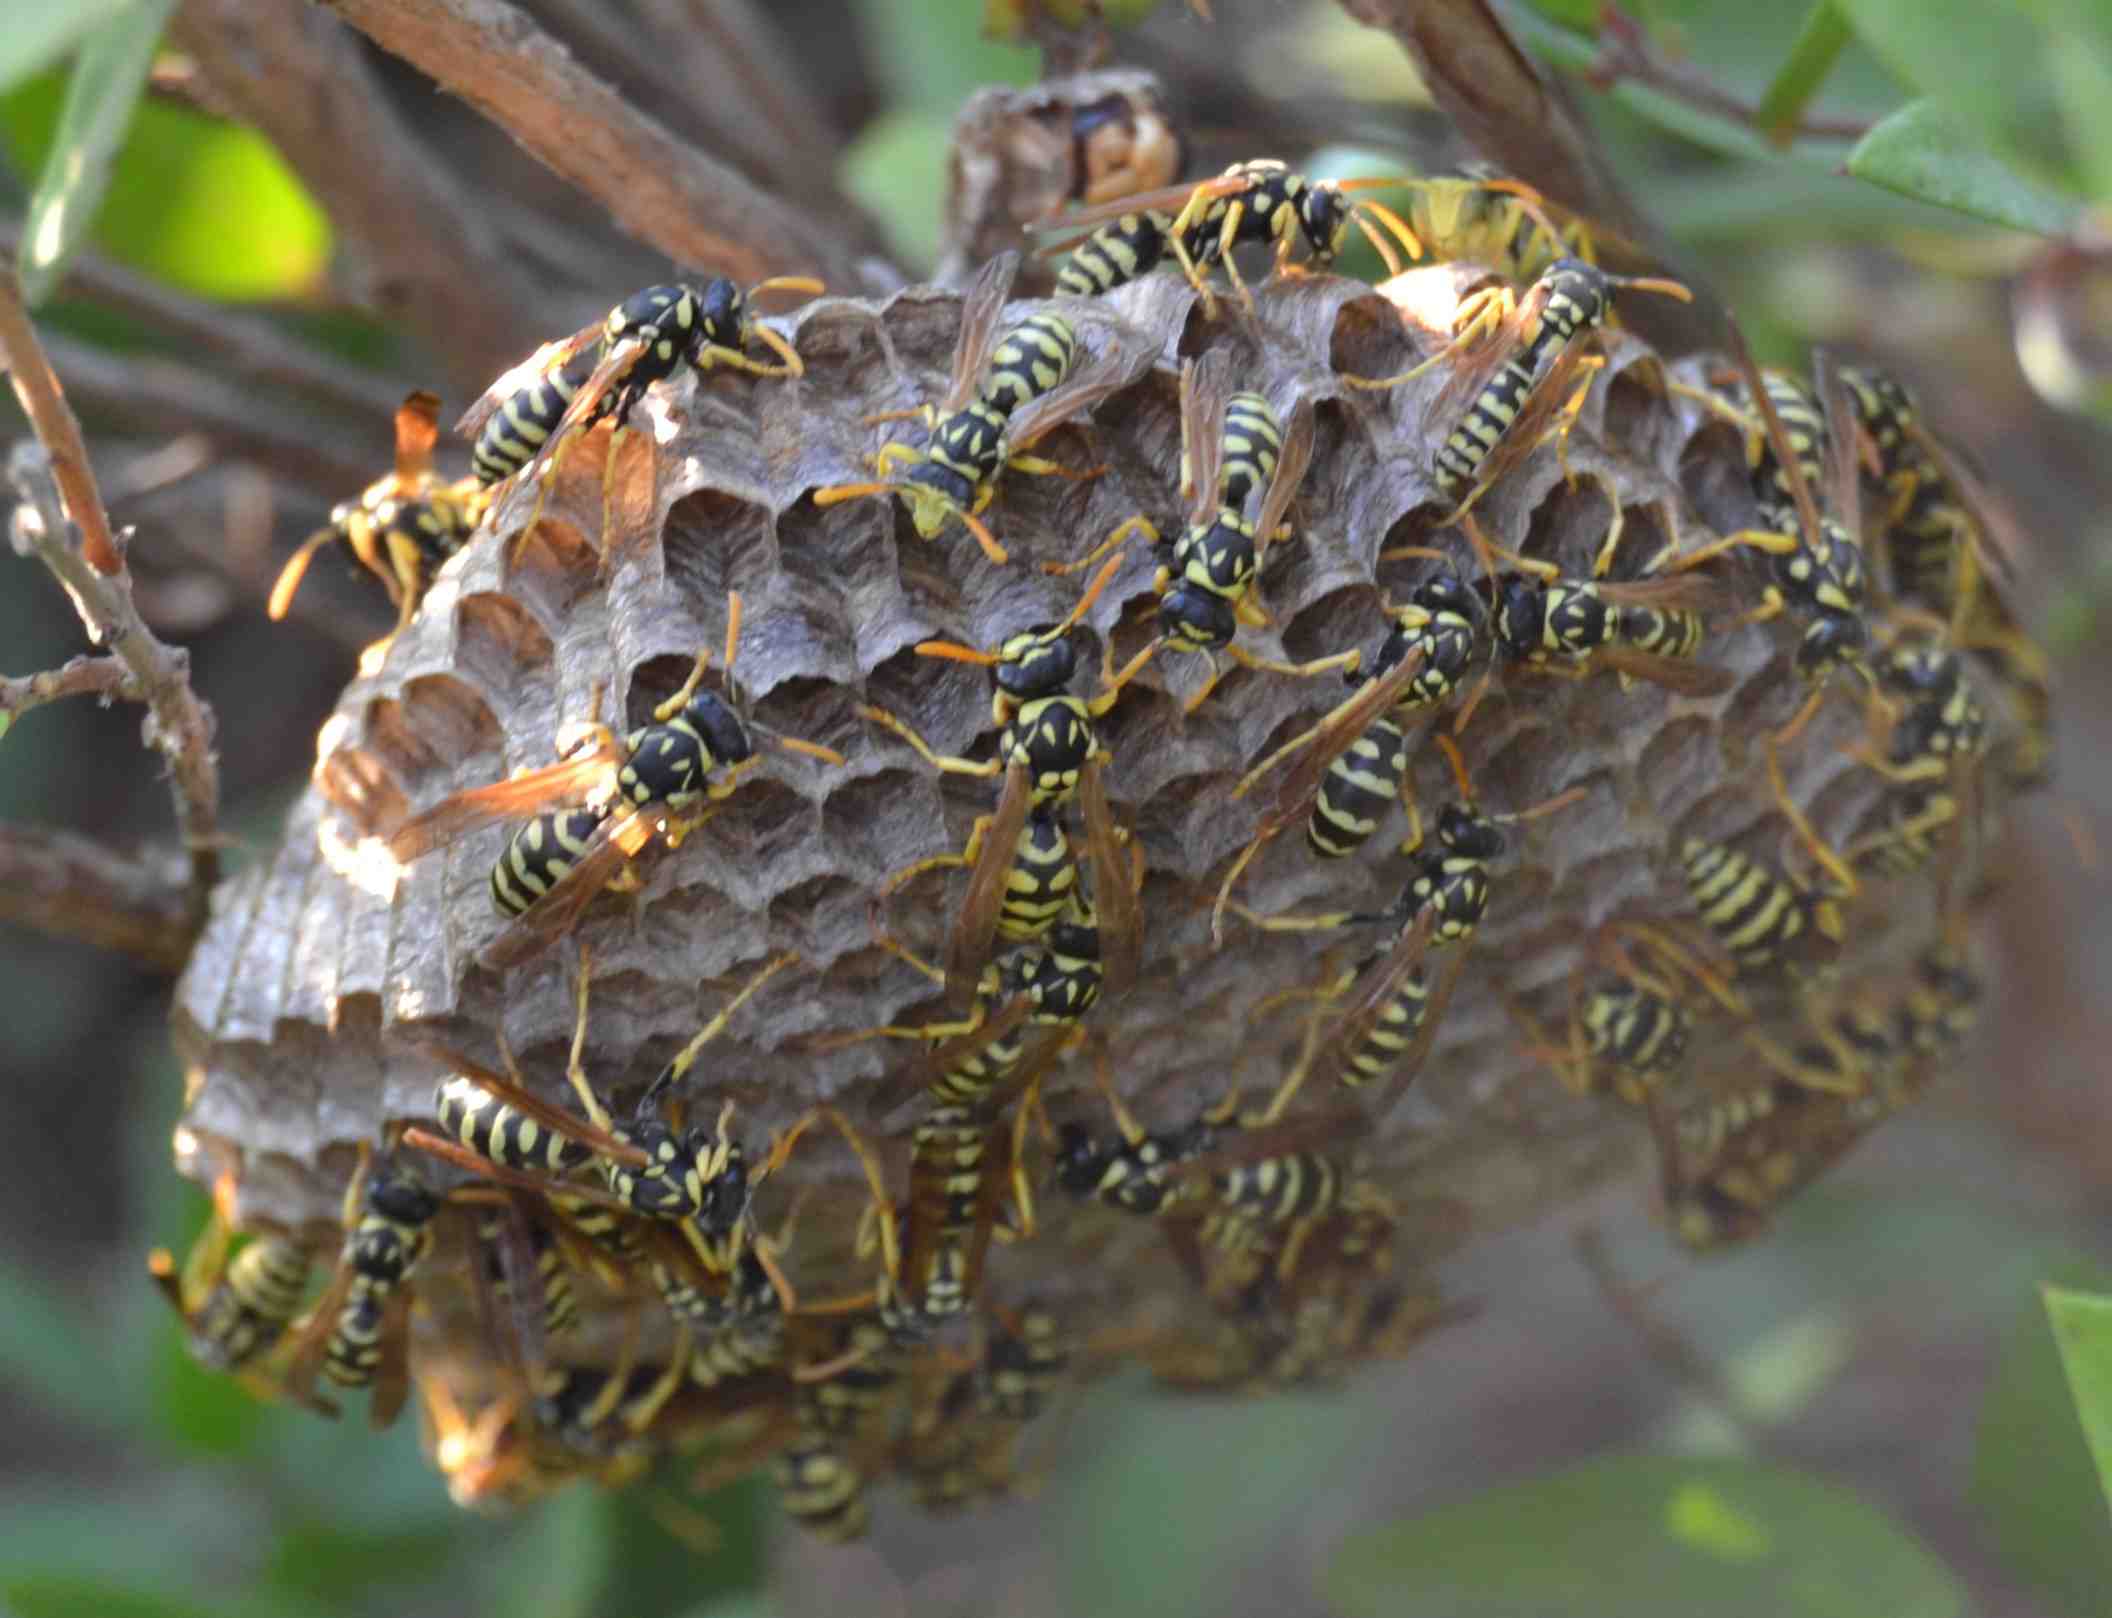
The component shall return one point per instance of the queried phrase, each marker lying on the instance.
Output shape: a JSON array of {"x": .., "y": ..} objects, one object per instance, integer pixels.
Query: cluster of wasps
[{"x": 1264, "y": 1211}]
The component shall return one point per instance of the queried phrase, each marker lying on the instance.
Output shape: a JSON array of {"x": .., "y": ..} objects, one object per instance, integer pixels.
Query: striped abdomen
[
  {"x": 1039, "y": 886},
  {"x": 509, "y": 1138},
  {"x": 1114, "y": 255},
  {"x": 1751, "y": 908},
  {"x": 1277, "y": 1190},
  {"x": 521, "y": 425},
  {"x": 249, "y": 1309},
  {"x": 537, "y": 857},
  {"x": 822, "y": 1491},
  {"x": 1253, "y": 438},
  {"x": 1391, "y": 1035},
  {"x": 1031, "y": 359},
  {"x": 1359, "y": 787}
]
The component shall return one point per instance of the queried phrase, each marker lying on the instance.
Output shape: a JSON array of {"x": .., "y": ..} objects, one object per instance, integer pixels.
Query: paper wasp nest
[{"x": 322, "y": 962}]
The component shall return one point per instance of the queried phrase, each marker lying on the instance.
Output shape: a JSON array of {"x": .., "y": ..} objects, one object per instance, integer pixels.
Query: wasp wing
[
  {"x": 1042, "y": 415},
  {"x": 980, "y": 308},
  {"x": 1676, "y": 674},
  {"x": 968, "y": 943},
  {"x": 558, "y": 910},
  {"x": 1777, "y": 436},
  {"x": 1170, "y": 200},
  {"x": 935, "y": 1064},
  {"x": 1469, "y": 376},
  {"x": 550, "y": 357},
  {"x": 1337, "y": 733},
  {"x": 417, "y": 431},
  {"x": 516, "y": 798},
  {"x": 1291, "y": 463},
  {"x": 1206, "y": 392},
  {"x": 1114, "y": 895}
]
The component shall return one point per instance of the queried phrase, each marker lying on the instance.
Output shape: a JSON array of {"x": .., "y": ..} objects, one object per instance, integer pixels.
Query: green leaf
[
  {"x": 896, "y": 167},
  {"x": 1980, "y": 62},
  {"x": 1640, "y": 1536},
  {"x": 38, "y": 35},
  {"x": 2079, "y": 68},
  {"x": 108, "y": 76},
  {"x": 2035, "y": 1489},
  {"x": 1819, "y": 45},
  {"x": 1926, "y": 153},
  {"x": 2082, "y": 1327},
  {"x": 1165, "y": 1505},
  {"x": 71, "y": 1595},
  {"x": 207, "y": 206}
]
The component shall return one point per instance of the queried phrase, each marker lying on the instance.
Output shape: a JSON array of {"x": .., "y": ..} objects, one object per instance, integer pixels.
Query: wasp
[
  {"x": 1557, "y": 624},
  {"x": 1816, "y": 562},
  {"x": 402, "y": 526},
  {"x": 234, "y": 1308},
  {"x": 1391, "y": 1013},
  {"x": 1006, "y": 395},
  {"x": 932, "y": 1248},
  {"x": 1728, "y": 1164},
  {"x": 1763, "y": 917},
  {"x": 1052, "y": 983},
  {"x": 1636, "y": 1017},
  {"x": 1935, "y": 737},
  {"x": 1261, "y": 200},
  {"x": 696, "y": 1180},
  {"x": 356, "y": 1332},
  {"x": 658, "y": 775},
  {"x": 1021, "y": 873},
  {"x": 522, "y": 1266},
  {"x": 1024, "y": 1362},
  {"x": 1941, "y": 1005},
  {"x": 1516, "y": 389},
  {"x": 1232, "y": 445},
  {"x": 1355, "y": 763},
  {"x": 822, "y": 1489},
  {"x": 527, "y": 419}
]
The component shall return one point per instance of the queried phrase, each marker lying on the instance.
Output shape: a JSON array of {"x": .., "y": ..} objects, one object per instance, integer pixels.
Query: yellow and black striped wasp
[
  {"x": 1513, "y": 387},
  {"x": 234, "y": 1308},
  {"x": 1634, "y": 1018},
  {"x": 528, "y": 418},
  {"x": 657, "y": 777},
  {"x": 1355, "y": 762},
  {"x": 696, "y": 1180},
  {"x": 1392, "y": 1009},
  {"x": 402, "y": 526},
  {"x": 1928, "y": 744},
  {"x": 1233, "y": 446},
  {"x": 1816, "y": 559},
  {"x": 1261, "y": 201},
  {"x": 356, "y": 1333},
  {"x": 1763, "y": 917},
  {"x": 1005, "y": 395},
  {"x": 1021, "y": 871}
]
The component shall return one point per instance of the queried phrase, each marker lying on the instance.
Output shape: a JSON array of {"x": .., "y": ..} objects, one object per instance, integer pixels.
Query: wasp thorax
[{"x": 1035, "y": 663}]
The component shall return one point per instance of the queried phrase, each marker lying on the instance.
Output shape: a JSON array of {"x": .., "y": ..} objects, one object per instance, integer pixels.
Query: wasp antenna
[
  {"x": 1653, "y": 283},
  {"x": 789, "y": 283},
  {"x": 289, "y": 581},
  {"x": 837, "y": 493},
  {"x": 733, "y": 629},
  {"x": 1108, "y": 569},
  {"x": 954, "y": 652}
]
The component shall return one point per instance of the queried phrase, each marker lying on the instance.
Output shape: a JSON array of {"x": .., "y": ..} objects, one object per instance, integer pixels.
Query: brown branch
[
  {"x": 241, "y": 345},
  {"x": 1501, "y": 104},
  {"x": 179, "y": 726},
  {"x": 414, "y": 244},
  {"x": 656, "y": 187},
  {"x": 73, "y": 888},
  {"x": 317, "y": 451},
  {"x": 716, "y": 76},
  {"x": 1625, "y": 57},
  {"x": 103, "y": 677},
  {"x": 37, "y": 390}
]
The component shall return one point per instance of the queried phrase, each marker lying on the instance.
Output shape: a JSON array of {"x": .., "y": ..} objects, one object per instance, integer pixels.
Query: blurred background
[{"x": 1864, "y": 1414}]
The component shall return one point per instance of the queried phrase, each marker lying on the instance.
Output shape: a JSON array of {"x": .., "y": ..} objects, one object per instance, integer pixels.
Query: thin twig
[
  {"x": 659, "y": 189},
  {"x": 1626, "y": 57},
  {"x": 414, "y": 243},
  {"x": 316, "y": 450},
  {"x": 179, "y": 725},
  {"x": 71, "y": 887},
  {"x": 103, "y": 677},
  {"x": 51, "y": 417},
  {"x": 242, "y": 345}
]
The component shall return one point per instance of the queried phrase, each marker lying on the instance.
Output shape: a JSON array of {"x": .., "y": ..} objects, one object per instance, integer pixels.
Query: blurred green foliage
[{"x": 177, "y": 1494}]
